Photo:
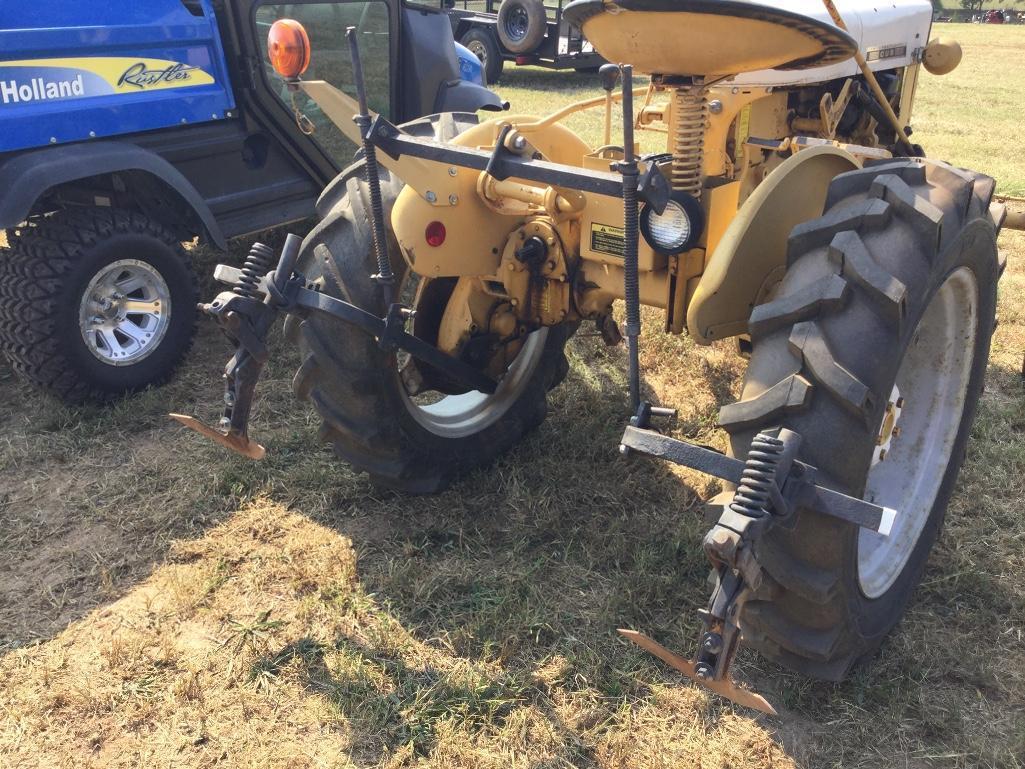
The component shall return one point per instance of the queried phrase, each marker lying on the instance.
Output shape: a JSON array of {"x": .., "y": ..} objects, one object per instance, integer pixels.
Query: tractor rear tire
[
  {"x": 355, "y": 386},
  {"x": 894, "y": 285}
]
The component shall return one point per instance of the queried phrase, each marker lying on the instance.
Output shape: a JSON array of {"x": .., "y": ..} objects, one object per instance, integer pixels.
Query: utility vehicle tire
[
  {"x": 894, "y": 285},
  {"x": 483, "y": 45},
  {"x": 522, "y": 24},
  {"x": 355, "y": 386},
  {"x": 96, "y": 302}
]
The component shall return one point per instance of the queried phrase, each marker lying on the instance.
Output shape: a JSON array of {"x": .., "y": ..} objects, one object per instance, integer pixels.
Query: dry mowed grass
[{"x": 163, "y": 603}]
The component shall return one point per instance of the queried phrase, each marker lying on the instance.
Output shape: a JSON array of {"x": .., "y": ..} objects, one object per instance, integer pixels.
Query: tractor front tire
[
  {"x": 355, "y": 386},
  {"x": 888, "y": 302}
]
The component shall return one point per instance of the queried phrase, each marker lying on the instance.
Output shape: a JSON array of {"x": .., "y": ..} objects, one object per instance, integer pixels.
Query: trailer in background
[{"x": 521, "y": 31}]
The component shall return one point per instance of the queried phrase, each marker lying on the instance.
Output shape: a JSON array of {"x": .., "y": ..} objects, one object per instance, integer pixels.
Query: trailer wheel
[
  {"x": 96, "y": 302},
  {"x": 873, "y": 348},
  {"x": 483, "y": 45},
  {"x": 522, "y": 24},
  {"x": 368, "y": 414}
]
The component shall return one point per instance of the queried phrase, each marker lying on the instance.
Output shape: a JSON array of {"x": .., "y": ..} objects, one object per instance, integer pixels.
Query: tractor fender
[
  {"x": 752, "y": 254},
  {"x": 27, "y": 176},
  {"x": 463, "y": 96}
]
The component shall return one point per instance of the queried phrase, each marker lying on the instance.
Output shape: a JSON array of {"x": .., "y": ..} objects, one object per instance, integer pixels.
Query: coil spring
[
  {"x": 631, "y": 281},
  {"x": 689, "y": 117},
  {"x": 258, "y": 262},
  {"x": 753, "y": 493}
]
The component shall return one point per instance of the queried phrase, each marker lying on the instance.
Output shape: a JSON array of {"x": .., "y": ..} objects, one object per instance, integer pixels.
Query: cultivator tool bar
[{"x": 247, "y": 312}]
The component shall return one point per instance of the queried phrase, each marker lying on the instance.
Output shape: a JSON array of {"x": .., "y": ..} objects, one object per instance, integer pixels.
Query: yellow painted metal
[
  {"x": 473, "y": 309},
  {"x": 541, "y": 298},
  {"x": 766, "y": 117},
  {"x": 733, "y": 100},
  {"x": 602, "y": 283},
  {"x": 602, "y": 158},
  {"x": 684, "y": 271},
  {"x": 941, "y": 55},
  {"x": 716, "y": 43},
  {"x": 712, "y": 286},
  {"x": 458, "y": 321},
  {"x": 908, "y": 87},
  {"x": 475, "y": 236},
  {"x": 720, "y": 205},
  {"x": 720, "y": 209},
  {"x": 423, "y": 175},
  {"x": 552, "y": 201},
  {"x": 754, "y": 244},
  {"x": 601, "y": 226},
  {"x": 797, "y": 144},
  {"x": 536, "y": 124}
]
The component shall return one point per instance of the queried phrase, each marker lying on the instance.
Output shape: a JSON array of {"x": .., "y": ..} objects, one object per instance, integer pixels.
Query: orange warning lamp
[{"x": 288, "y": 48}]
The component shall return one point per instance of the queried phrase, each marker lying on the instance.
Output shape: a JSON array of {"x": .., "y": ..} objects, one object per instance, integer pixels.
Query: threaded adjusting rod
[{"x": 384, "y": 274}]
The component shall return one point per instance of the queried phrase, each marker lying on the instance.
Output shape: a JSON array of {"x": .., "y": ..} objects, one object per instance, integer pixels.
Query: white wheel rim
[
  {"x": 456, "y": 416},
  {"x": 125, "y": 312},
  {"x": 933, "y": 380}
]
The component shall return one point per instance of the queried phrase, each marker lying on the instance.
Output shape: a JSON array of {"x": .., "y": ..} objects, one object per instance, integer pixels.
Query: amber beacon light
[{"x": 288, "y": 48}]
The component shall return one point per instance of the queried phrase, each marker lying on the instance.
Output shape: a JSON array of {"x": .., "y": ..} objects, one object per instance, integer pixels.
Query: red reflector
[
  {"x": 435, "y": 234},
  {"x": 524, "y": 59}
]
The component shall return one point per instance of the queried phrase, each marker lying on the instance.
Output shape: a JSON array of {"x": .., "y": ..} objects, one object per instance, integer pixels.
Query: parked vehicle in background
[
  {"x": 127, "y": 129},
  {"x": 520, "y": 31}
]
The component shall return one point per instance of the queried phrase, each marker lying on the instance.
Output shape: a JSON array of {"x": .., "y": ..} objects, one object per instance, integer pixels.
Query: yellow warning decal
[{"x": 608, "y": 239}]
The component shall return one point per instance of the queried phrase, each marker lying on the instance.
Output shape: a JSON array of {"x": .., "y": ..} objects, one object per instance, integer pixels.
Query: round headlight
[{"x": 677, "y": 228}]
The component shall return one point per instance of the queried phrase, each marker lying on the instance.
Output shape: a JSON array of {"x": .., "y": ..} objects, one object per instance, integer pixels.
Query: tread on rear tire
[
  {"x": 826, "y": 352},
  {"x": 355, "y": 386}
]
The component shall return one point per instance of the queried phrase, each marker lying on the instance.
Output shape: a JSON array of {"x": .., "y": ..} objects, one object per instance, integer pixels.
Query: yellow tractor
[{"x": 789, "y": 210}]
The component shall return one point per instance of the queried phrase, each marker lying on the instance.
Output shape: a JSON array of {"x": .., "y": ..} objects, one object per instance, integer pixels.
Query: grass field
[
  {"x": 987, "y": 5},
  {"x": 164, "y": 604}
]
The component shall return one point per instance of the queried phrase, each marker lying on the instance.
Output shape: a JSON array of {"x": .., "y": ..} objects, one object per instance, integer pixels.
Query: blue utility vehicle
[{"x": 130, "y": 128}]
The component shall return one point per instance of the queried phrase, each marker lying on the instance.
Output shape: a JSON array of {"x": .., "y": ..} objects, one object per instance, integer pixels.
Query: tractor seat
[{"x": 707, "y": 37}]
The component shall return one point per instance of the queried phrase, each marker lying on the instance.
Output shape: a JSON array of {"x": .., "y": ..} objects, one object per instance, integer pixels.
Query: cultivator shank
[{"x": 770, "y": 485}]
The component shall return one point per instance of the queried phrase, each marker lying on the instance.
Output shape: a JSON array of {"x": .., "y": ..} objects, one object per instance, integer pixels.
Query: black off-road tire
[
  {"x": 354, "y": 385},
  {"x": 483, "y": 45},
  {"x": 532, "y": 33},
  {"x": 826, "y": 351},
  {"x": 43, "y": 276}
]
